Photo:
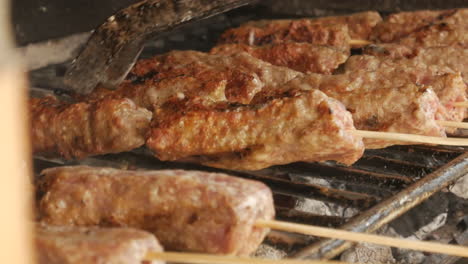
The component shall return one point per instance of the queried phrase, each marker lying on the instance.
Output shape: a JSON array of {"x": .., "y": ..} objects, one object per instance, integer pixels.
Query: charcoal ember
[
  {"x": 405, "y": 256},
  {"x": 325, "y": 208},
  {"x": 411, "y": 257},
  {"x": 421, "y": 215},
  {"x": 426, "y": 230},
  {"x": 269, "y": 252},
  {"x": 460, "y": 187},
  {"x": 318, "y": 207},
  {"x": 368, "y": 253}
]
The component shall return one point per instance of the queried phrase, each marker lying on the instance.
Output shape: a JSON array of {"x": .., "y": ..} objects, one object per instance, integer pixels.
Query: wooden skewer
[
  {"x": 453, "y": 250},
  {"x": 461, "y": 104},
  {"x": 439, "y": 248},
  {"x": 413, "y": 138},
  {"x": 220, "y": 259},
  {"x": 453, "y": 124},
  {"x": 359, "y": 42}
]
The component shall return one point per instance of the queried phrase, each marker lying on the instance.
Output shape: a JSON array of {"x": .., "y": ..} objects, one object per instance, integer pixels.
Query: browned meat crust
[
  {"x": 186, "y": 210},
  {"x": 389, "y": 50},
  {"x": 441, "y": 34},
  {"x": 381, "y": 104},
  {"x": 425, "y": 70},
  {"x": 451, "y": 57},
  {"x": 360, "y": 24},
  {"x": 295, "y": 126},
  {"x": 455, "y": 58},
  {"x": 296, "y": 31},
  {"x": 399, "y": 25},
  {"x": 87, "y": 128},
  {"x": 188, "y": 74},
  {"x": 303, "y": 57},
  {"x": 78, "y": 245},
  {"x": 424, "y": 29}
]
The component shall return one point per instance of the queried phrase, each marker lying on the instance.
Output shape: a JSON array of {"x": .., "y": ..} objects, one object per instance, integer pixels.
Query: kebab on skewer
[
  {"x": 400, "y": 25},
  {"x": 93, "y": 245},
  {"x": 445, "y": 58},
  {"x": 291, "y": 126},
  {"x": 185, "y": 74},
  {"x": 87, "y": 128},
  {"x": 303, "y": 57},
  {"x": 337, "y": 31},
  {"x": 448, "y": 84},
  {"x": 435, "y": 35},
  {"x": 400, "y": 36},
  {"x": 191, "y": 211}
]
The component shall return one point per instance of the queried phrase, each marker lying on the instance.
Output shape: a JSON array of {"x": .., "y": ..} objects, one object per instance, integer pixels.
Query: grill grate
[{"x": 380, "y": 187}]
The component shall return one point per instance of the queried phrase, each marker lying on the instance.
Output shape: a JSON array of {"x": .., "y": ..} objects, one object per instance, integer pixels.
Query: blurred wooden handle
[
  {"x": 15, "y": 239},
  {"x": 14, "y": 161}
]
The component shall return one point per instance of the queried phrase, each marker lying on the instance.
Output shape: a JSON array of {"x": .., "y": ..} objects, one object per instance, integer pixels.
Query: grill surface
[{"x": 379, "y": 188}]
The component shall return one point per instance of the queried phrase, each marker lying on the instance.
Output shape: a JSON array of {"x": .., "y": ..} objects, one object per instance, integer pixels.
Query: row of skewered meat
[{"x": 239, "y": 107}]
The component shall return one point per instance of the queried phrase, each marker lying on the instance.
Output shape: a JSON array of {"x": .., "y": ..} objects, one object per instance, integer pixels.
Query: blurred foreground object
[{"x": 14, "y": 155}]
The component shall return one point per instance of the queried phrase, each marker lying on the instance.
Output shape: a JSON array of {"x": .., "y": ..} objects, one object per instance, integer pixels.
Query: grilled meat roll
[
  {"x": 446, "y": 57},
  {"x": 186, "y": 210},
  {"x": 356, "y": 26},
  {"x": 441, "y": 34},
  {"x": 93, "y": 245},
  {"x": 87, "y": 128},
  {"x": 304, "y": 30},
  {"x": 280, "y": 129},
  {"x": 399, "y": 25},
  {"x": 425, "y": 70},
  {"x": 302, "y": 57},
  {"x": 404, "y": 34},
  {"x": 188, "y": 74}
]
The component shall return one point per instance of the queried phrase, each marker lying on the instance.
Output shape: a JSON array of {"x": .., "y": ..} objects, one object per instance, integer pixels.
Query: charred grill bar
[{"x": 379, "y": 188}]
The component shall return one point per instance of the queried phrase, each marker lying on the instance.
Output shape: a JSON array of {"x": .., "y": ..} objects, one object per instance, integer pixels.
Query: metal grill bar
[{"x": 386, "y": 211}]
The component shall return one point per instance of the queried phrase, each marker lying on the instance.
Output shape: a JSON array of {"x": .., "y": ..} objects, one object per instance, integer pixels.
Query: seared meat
[
  {"x": 87, "y": 128},
  {"x": 422, "y": 32},
  {"x": 390, "y": 50},
  {"x": 399, "y": 25},
  {"x": 422, "y": 29},
  {"x": 78, "y": 245},
  {"x": 303, "y": 57},
  {"x": 188, "y": 74},
  {"x": 425, "y": 70},
  {"x": 381, "y": 104},
  {"x": 440, "y": 34},
  {"x": 454, "y": 58},
  {"x": 186, "y": 210},
  {"x": 271, "y": 31},
  {"x": 303, "y": 30},
  {"x": 284, "y": 128}
]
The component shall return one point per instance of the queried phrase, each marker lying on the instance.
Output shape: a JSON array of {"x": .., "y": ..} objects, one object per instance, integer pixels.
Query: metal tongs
[{"x": 114, "y": 46}]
